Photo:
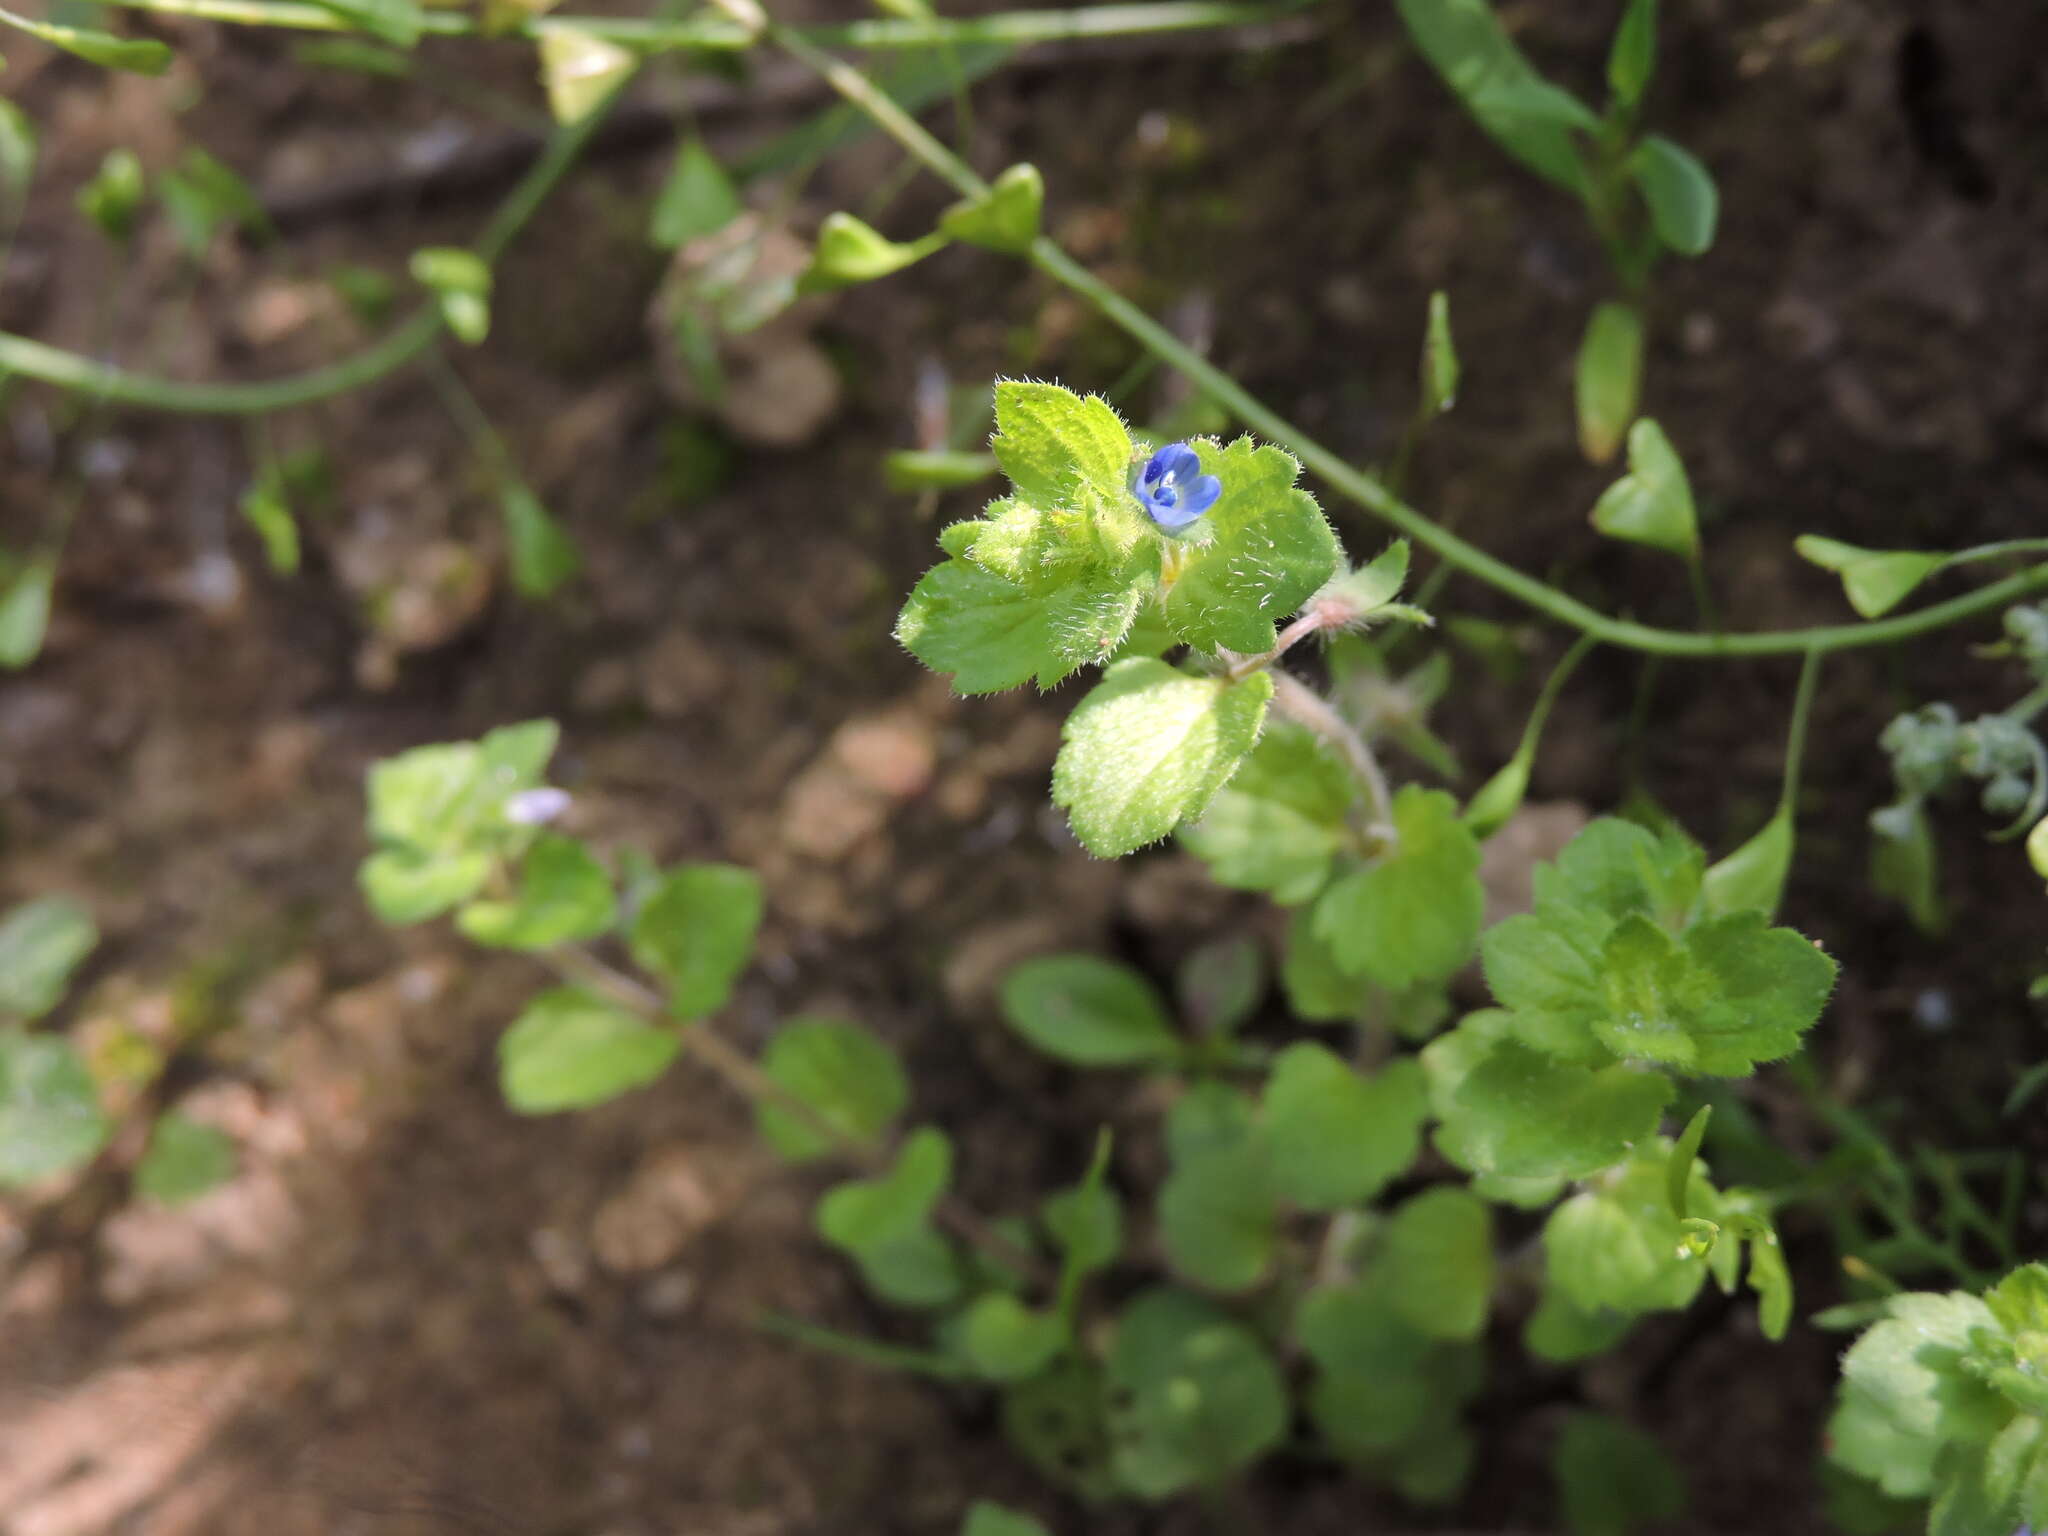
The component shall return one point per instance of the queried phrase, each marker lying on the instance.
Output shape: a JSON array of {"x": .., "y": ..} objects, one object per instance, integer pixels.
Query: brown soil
[{"x": 415, "y": 1312}]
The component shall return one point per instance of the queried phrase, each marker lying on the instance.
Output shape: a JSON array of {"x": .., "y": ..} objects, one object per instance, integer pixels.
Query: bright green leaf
[
  {"x": 1512, "y": 1111},
  {"x": 1906, "y": 1393},
  {"x": 50, "y": 1116},
  {"x": 1279, "y": 823},
  {"x": 1439, "y": 359},
  {"x": 986, "y": 1519},
  {"x": 580, "y": 70},
  {"x": 1678, "y": 1170},
  {"x": 1090, "y": 1012},
  {"x": 1437, "y": 1263},
  {"x": 1652, "y": 503},
  {"x": 885, "y": 1224},
  {"x": 1617, "y": 1246},
  {"x": 1006, "y": 219},
  {"x": 1414, "y": 914},
  {"x": 696, "y": 932},
  {"x": 264, "y": 506},
  {"x": 1531, "y": 119},
  {"x": 1609, "y": 378},
  {"x": 111, "y": 198},
  {"x": 543, "y": 556},
  {"x": 1318, "y": 989},
  {"x": 1684, "y": 204},
  {"x": 1007, "y": 1341},
  {"x": 404, "y": 885},
  {"x": 1753, "y": 876},
  {"x": 936, "y": 469},
  {"x": 1875, "y": 580},
  {"x": 1633, "y": 58},
  {"x": 570, "y": 1050},
  {"x": 1255, "y": 557},
  {"x": 1148, "y": 748},
  {"x": 25, "y": 609},
  {"x": 850, "y": 252},
  {"x": 565, "y": 896},
  {"x": 698, "y": 198},
  {"x": 1370, "y": 590},
  {"x": 1336, "y": 1138},
  {"x": 847, "y": 1078},
  {"x": 1497, "y": 800},
  {"x": 41, "y": 943},
  {"x": 1053, "y": 443},
  {"x": 185, "y": 1160},
  {"x": 142, "y": 55}
]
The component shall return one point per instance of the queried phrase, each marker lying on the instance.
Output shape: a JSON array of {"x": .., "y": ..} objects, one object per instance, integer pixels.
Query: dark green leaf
[
  {"x": 1196, "y": 1396},
  {"x": 1336, "y": 1138},
  {"x": 543, "y": 556},
  {"x": 1614, "y": 1479},
  {"x": 1437, "y": 1263},
  {"x": 698, "y": 198},
  {"x": 1414, "y": 914},
  {"x": 1684, "y": 204},
  {"x": 1089, "y": 1012},
  {"x": 696, "y": 932},
  {"x": 847, "y": 1077}
]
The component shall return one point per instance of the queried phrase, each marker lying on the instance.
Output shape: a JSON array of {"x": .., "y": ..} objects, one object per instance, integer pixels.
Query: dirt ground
[{"x": 413, "y": 1312}]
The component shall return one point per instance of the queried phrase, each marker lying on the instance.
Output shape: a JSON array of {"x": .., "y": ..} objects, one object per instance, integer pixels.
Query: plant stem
[
  {"x": 709, "y": 31},
  {"x": 52, "y": 365},
  {"x": 744, "y": 1076},
  {"x": 1795, "y": 737},
  {"x": 1304, "y": 706}
]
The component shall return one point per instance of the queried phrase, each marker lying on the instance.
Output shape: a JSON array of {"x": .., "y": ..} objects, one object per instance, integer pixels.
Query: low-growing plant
[{"x": 1364, "y": 1179}]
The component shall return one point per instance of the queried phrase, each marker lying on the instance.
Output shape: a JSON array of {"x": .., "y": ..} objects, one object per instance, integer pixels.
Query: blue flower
[{"x": 1173, "y": 489}]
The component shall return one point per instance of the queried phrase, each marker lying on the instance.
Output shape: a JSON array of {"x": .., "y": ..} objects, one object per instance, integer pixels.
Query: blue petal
[
  {"x": 1201, "y": 493},
  {"x": 1170, "y": 517},
  {"x": 1176, "y": 459}
]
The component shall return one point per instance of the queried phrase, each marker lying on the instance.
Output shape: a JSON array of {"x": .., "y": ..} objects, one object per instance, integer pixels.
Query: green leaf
[
  {"x": 1563, "y": 1334},
  {"x": 1090, "y": 1012},
  {"x": 142, "y": 55},
  {"x": 185, "y": 1160},
  {"x": 264, "y": 506},
  {"x": 1875, "y": 580},
  {"x": 570, "y": 1050},
  {"x": 1616, "y": 1245},
  {"x": 1613, "y": 1479},
  {"x": 850, "y": 252},
  {"x": 848, "y": 1078},
  {"x": 1531, "y": 119},
  {"x": 1351, "y": 597},
  {"x": 1336, "y": 1138},
  {"x": 1652, "y": 503},
  {"x": 50, "y": 1117},
  {"x": 1615, "y": 868},
  {"x": 1195, "y": 1396},
  {"x": 1380, "y": 1385},
  {"x": 885, "y": 1224},
  {"x": 1905, "y": 863},
  {"x": 1318, "y": 990},
  {"x": 1279, "y": 823},
  {"x": 1219, "y": 986},
  {"x": 111, "y": 198},
  {"x": 17, "y": 160},
  {"x": 1684, "y": 204},
  {"x": 1007, "y": 1341},
  {"x": 1511, "y": 1111},
  {"x": 1753, "y": 876},
  {"x": 543, "y": 556},
  {"x": 986, "y": 1519},
  {"x": 1086, "y": 1221},
  {"x": 202, "y": 194},
  {"x": 1497, "y": 800},
  {"x": 41, "y": 943},
  {"x": 696, "y": 932},
  {"x": 397, "y": 22},
  {"x": 698, "y": 198},
  {"x": 1257, "y": 555},
  {"x": 1678, "y": 1170},
  {"x": 1437, "y": 1263},
  {"x": 1211, "y": 1114},
  {"x": 565, "y": 896},
  {"x": 1053, "y": 444},
  {"x": 353, "y": 56},
  {"x": 1148, "y": 748},
  {"x": 1058, "y": 1421},
  {"x": 1005, "y": 220},
  {"x": 1439, "y": 359},
  {"x": 461, "y": 285},
  {"x": 403, "y": 885},
  {"x": 450, "y": 797},
  {"x": 1609, "y": 378},
  {"x": 1218, "y": 1217},
  {"x": 1740, "y": 992},
  {"x": 25, "y": 609},
  {"x": 1414, "y": 914},
  {"x": 1907, "y": 1394},
  {"x": 1633, "y": 58},
  {"x": 580, "y": 70},
  {"x": 936, "y": 469}
]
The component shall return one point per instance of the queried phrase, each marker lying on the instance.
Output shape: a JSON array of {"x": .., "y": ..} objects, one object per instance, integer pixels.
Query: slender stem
[
  {"x": 1702, "y": 595},
  {"x": 2029, "y": 706},
  {"x": 1553, "y": 685},
  {"x": 1795, "y": 738},
  {"x": 710, "y": 31},
  {"x": 1289, "y": 638},
  {"x": 830, "y": 1341},
  {"x": 1304, "y": 706},
  {"x": 745, "y": 1076},
  {"x": 33, "y": 359}
]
